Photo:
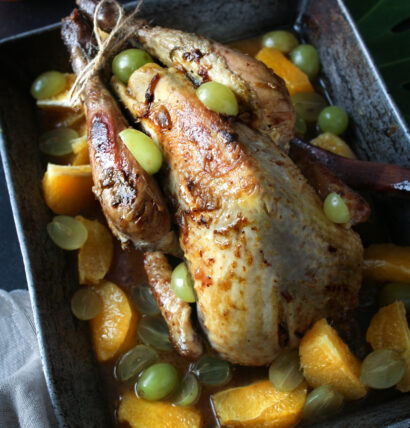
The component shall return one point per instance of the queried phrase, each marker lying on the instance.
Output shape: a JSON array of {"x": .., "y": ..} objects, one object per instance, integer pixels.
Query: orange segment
[
  {"x": 333, "y": 143},
  {"x": 95, "y": 256},
  {"x": 296, "y": 80},
  {"x": 139, "y": 413},
  {"x": 114, "y": 326},
  {"x": 259, "y": 405},
  {"x": 67, "y": 189},
  {"x": 80, "y": 152},
  {"x": 327, "y": 360},
  {"x": 389, "y": 329},
  {"x": 387, "y": 263}
]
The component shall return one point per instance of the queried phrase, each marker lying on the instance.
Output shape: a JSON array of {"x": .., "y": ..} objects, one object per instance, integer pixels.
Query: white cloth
[{"x": 24, "y": 398}]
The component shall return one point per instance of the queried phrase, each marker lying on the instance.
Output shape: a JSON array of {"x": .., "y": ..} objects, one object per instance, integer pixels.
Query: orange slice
[
  {"x": 333, "y": 143},
  {"x": 327, "y": 360},
  {"x": 139, "y": 413},
  {"x": 296, "y": 80},
  {"x": 387, "y": 263},
  {"x": 389, "y": 329},
  {"x": 80, "y": 151},
  {"x": 259, "y": 405},
  {"x": 67, "y": 189},
  {"x": 95, "y": 256},
  {"x": 113, "y": 328}
]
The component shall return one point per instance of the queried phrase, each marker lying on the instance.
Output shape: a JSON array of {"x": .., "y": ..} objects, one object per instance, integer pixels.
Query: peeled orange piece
[
  {"x": 67, "y": 189},
  {"x": 296, "y": 80},
  {"x": 259, "y": 405},
  {"x": 333, "y": 143},
  {"x": 387, "y": 263},
  {"x": 389, "y": 329},
  {"x": 114, "y": 326},
  {"x": 327, "y": 360},
  {"x": 139, "y": 413},
  {"x": 80, "y": 152},
  {"x": 95, "y": 256}
]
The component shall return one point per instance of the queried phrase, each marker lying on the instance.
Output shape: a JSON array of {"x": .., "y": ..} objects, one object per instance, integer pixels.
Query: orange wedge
[
  {"x": 95, "y": 256},
  {"x": 113, "y": 328},
  {"x": 80, "y": 151},
  {"x": 387, "y": 263},
  {"x": 389, "y": 329},
  {"x": 296, "y": 80},
  {"x": 139, "y": 413},
  {"x": 333, "y": 143},
  {"x": 259, "y": 405},
  {"x": 67, "y": 189},
  {"x": 327, "y": 360}
]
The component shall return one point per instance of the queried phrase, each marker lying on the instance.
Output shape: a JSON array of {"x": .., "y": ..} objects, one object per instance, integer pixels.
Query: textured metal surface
[{"x": 71, "y": 373}]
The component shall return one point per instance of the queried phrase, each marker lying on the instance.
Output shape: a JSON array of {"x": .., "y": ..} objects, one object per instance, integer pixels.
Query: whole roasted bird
[{"x": 266, "y": 261}]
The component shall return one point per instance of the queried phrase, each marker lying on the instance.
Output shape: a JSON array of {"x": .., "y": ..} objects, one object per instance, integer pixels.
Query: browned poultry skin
[
  {"x": 129, "y": 197},
  {"x": 265, "y": 259},
  {"x": 176, "y": 313},
  {"x": 264, "y": 99},
  {"x": 131, "y": 200}
]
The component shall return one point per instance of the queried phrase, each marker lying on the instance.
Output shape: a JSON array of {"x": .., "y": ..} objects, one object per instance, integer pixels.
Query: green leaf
[{"x": 376, "y": 20}]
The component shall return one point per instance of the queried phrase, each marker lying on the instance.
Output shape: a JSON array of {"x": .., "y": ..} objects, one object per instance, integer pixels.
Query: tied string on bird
[{"x": 121, "y": 32}]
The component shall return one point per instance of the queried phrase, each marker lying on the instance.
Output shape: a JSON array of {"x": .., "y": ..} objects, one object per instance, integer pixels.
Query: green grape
[
  {"x": 218, "y": 97},
  {"x": 322, "y": 402},
  {"x": 336, "y": 209},
  {"x": 85, "y": 304},
  {"x": 395, "y": 291},
  {"x": 153, "y": 331},
  {"x": 333, "y": 119},
  {"x": 157, "y": 381},
  {"x": 143, "y": 300},
  {"x": 143, "y": 148},
  {"x": 213, "y": 371},
  {"x": 181, "y": 283},
  {"x": 382, "y": 369},
  {"x": 58, "y": 142},
  {"x": 48, "y": 84},
  {"x": 300, "y": 126},
  {"x": 308, "y": 105},
  {"x": 282, "y": 40},
  {"x": 307, "y": 59},
  {"x": 67, "y": 232},
  {"x": 126, "y": 62},
  {"x": 187, "y": 392},
  {"x": 285, "y": 373},
  {"x": 134, "y": 361}
]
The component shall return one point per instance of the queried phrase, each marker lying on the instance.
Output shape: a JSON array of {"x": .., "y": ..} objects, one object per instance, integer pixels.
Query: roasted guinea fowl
[{"x": 266, "y": 261}]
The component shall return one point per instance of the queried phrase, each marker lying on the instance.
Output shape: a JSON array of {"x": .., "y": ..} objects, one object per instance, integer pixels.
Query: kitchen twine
[{"x": 119, "y": 34}]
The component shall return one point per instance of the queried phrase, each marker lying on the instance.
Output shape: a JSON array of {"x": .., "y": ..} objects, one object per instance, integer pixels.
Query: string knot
[{"x": 121, "y": 32}]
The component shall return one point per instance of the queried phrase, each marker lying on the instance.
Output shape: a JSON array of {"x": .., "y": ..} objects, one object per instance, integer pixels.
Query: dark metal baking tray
[{"x": 379, "y": 133}]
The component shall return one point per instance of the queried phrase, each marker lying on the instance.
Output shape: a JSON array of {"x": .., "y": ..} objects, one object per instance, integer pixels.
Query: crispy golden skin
[{"x": 265, "y": 259}]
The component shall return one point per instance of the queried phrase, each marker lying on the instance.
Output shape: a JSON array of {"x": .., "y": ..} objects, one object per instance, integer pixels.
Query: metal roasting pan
[{"x": 379, "y": 133}]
